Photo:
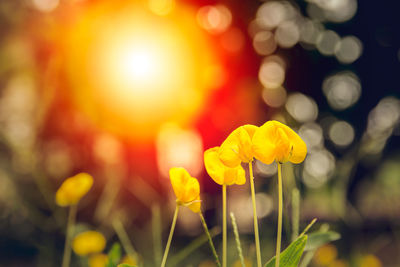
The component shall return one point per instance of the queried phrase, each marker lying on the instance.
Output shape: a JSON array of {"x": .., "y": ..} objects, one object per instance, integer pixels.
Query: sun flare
[{"x": 137, "y": 70}]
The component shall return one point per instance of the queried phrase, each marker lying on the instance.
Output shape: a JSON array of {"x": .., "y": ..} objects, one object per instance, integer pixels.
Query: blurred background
[{"x": 124, "y": 90}]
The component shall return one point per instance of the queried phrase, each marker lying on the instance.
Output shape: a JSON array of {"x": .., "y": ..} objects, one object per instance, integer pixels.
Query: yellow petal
[
  {"x": 73, "y": 189},
  {"x": 186, "y": 187},
  {"x": 276, "y": 141},
  {"x": 237, "y": 147},
  {"x": 129, "y": 260},
  {"x": 98, "y": 260},
  {"x": 263, "y": 145},
  {"x": 214, "y": 167},
  {"x": 235, "y": 175},
  {"x": 88, "y": 242},
  {"x": 219, "y": 172},
  {"x": 283, "y": 146},
  {"x": 195, "y": 205},
  {"x": 299, "y": 148}
]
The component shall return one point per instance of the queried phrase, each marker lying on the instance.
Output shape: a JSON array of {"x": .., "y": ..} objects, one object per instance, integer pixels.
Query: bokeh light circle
[
  {"x": 341, "y": 133},
  {"x": 302, "y": 107},
  {"x": 342, "y": 90}
]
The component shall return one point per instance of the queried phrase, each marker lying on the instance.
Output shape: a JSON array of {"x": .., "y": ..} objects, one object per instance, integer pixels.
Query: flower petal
[
  {"x": 237, "y": 147},
  {"x": 186, "y": 188},
  {"x": 276, "y": 141},
  {"x": 263, "y": 146},
  {"x": 237, "y": 175},
  {"x": 299, "y": 148},
  {"x": 214, "y": 167},
  {"x": 191, "y": 190},
  {"x": 88, "y": 242},
  {"x": 219, "y": 172},
  {"x": 195, "y": 205},
  {"x": 73, "y": 189}
]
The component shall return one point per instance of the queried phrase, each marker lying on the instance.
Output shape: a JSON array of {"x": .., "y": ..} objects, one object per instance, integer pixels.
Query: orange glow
[{"x": 132, "y": 70}]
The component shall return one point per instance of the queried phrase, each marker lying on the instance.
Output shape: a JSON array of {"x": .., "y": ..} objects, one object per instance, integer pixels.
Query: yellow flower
[
  {"x": 98, "y": 260},
  {"x": 219, "y": 172},
  {"x": 237, "y": 147},
  {"x": 73, "y": 189},
  {"x": 340, "y": 263},
  {"x": 325, "y": 255},
  {"x": 247, "y": 263},
  {"x": 186, "y": 188},
  {"x": 207, "y": 263},
  {"x": 88, "y": 242},
  {"x": 276, "y": 141},
  {"x": 370, "y": 261},
  {"x": 129, "y": 260}
]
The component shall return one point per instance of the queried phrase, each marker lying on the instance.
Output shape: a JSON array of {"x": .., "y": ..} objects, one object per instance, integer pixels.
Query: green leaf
[
  {"x": 290, "y": 257},
  {"x": 126, "y": 265},
  {"x": 318, "y": 239},
  {"x": 114, "y": 255}
]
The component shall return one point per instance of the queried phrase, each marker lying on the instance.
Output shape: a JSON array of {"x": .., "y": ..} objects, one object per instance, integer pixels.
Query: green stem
[
  {"x": 280, "y": 204},
  {"x": 295, "y": 213},
  {"x": 164, "y": 260},
  {"x": 253, "y": 199},
  {"x": 124, "y": 238},
  {"x": 224, "y": 225},
  {"x": 209, "y": 239},
  {"x": 156, "y": 230},
  {"x": 177, "y": 258},
  {"x": 70, "y": 230},
  {"x": 237, "y": 239}
]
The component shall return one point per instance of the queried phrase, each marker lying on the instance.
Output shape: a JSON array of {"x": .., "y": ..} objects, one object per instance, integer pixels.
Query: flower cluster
[{"x": 270, "y": 142}]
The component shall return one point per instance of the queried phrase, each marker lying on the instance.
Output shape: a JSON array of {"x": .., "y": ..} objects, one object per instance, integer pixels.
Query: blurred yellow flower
[
  {"x": 98, "y": 260},
  {"x": 219, "y": 172},
  {"x": 339, "y": 263},
  {"x": 370, "y": 261},
  {"x": 207, "y": 263},
  {"x": 325, "y": 255},
  {"x": 237, "y": 147},
  {"x": 247, "y": 263},
  {"x": 129, "y": 260},
  {"x": 73, "y": 189},
  {"x": 276, "y": 141},
  {"x": 88, "y": 242},
  {"x": 186, "y": 188}
]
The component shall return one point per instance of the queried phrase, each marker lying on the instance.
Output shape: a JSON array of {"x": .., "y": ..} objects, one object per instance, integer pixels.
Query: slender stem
[
  {"x": 295, "y": 213},
  {"x": 70, "y": 230},
  {"x": 164, "y": 260},
  {"x": 124, "y": 238},
  {"x": 156, "y": 230},
  {"x": 224, "y": 225},
  {"x": 280, "y": 204},
  {"x": 237, "y": 239},
  {"x": 209, "y": 239},
  {"x": 192, "y": 246},
  {"x": 253, "y": 199}
]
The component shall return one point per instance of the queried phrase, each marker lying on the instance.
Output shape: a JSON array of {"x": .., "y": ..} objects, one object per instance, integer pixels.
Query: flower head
[
  {"x": 73, "y": 189},
  {"x": 88, "y": 242},
  {"x": 129, "y": 260},
  {"x": 98, "y": 260},
  {"x": 237, "y": 147},
  {"x": 219, "y": 172},
  {"x": 186, "y": 188},
  {"x": 276, "y": 141}
]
